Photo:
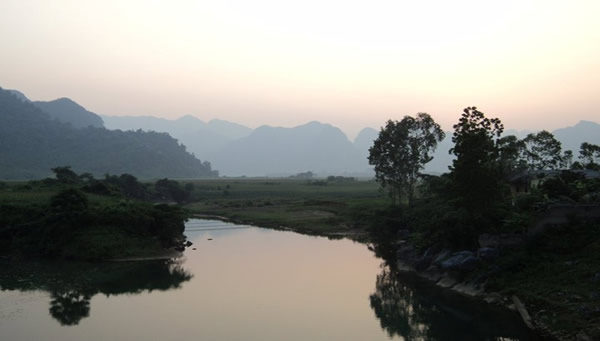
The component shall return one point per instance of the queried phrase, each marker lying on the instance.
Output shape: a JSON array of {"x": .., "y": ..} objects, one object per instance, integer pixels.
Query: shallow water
[{"x": 241, "y": 283}]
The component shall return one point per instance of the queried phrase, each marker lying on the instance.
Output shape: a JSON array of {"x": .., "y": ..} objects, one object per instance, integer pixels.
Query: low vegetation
[
  {"x": 323, "y": 206},
  {"x": 79, "y": 217}
]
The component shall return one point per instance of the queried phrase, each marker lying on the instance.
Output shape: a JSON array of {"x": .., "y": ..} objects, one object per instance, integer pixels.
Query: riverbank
[
  {"x": 553, "y": 275},
  {"x": 556, "y": 276},
  {"x": 81, "y": 218},
  {"x": 329, "y": 208}
]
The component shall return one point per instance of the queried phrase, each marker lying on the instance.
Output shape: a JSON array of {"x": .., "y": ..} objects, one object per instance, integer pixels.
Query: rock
[
  {"x": 493, "y": 298},
  {"x": 188, "y": 243},
  {"x": 461, "y": 261},
  {"x": 447, "y": 281},
  {"x": 441, "y": 256},
  {"x": 432, "y": 273},
  {"x": 424, "y": 261},
  {"x": 488, "y": 253},
  {"x": 523, "y": 312}
]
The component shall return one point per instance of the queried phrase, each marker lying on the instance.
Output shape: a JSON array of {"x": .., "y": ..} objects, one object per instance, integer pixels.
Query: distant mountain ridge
[
  {"x": 201, "y": 138},
  {"x": 32, "y": 142},
  {"x": 238, "y": 150},
  {"x": 280, "y": 151},
  {"x": 67, "y": 111},
  {"x": 314, "y": 146}
]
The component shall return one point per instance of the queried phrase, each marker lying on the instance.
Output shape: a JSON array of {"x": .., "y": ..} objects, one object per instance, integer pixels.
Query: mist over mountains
[
  {"x": 231, "y": 148},
  {"x": 318, "y": 147},
  {"x": 236, "y": 150}
]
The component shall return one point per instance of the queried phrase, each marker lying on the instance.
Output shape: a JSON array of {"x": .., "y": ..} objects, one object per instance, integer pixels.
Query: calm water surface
[{"x": 240, "y": 283}]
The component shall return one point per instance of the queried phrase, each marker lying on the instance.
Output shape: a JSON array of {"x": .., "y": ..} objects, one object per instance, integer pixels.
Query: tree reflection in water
[
  {"x": 68, "y": 308},
  {"x": 431, "y": 313},
  {"x": 72, "y": 285}
]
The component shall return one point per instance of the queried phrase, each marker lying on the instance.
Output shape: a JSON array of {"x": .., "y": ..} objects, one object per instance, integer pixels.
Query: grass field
[{"x": 317, "y": 206}]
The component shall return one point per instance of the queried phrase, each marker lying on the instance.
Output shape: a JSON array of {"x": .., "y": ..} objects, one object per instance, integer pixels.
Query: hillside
[
  {"x": 314, "y": 146},
  {"x": 204, "y": 139},
  {"x": 32, "y": 142},
  {"x": 67, "y": 111}
]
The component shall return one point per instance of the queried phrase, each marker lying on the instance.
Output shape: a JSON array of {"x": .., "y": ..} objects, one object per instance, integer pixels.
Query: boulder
[
  {"x": 488, "y": 253},
  {"x": 441, "y": 256},
  {"x": 447, "y": 281},
  {"x": 461, "y": 261},
  {"x": 432, "y": 273}
]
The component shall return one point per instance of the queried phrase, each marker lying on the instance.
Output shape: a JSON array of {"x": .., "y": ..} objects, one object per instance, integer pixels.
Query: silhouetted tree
[
  {"x": 401, "y": 151},
  {"x": 566, "y": 159},
  {"x": 589, "y": 154},
  {"x": 542, "y": 151},
  {"x": 475, "y": 171},
  {"x": 510, "y": 149}
]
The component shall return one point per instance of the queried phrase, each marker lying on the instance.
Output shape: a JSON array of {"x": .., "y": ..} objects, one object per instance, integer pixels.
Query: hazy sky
[{"x": 534, "y": 64}]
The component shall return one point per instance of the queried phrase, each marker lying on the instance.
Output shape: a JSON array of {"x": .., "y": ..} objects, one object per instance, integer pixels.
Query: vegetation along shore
[{"x": 514, "y": 222}]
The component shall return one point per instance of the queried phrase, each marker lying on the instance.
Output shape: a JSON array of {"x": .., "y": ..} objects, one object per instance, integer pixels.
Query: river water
[{"x": 241, "y": 283}]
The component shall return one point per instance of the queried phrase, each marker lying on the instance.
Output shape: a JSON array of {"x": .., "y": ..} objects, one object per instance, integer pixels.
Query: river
[{"x": 241, "y": 283}]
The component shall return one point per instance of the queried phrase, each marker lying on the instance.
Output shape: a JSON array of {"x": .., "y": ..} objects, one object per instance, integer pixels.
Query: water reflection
[
  {"x": 413, "y": 309},
  {"x": 72, "y": 285}
]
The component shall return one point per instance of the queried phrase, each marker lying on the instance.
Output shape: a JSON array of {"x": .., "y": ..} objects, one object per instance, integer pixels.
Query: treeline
[
  {"x": 31, "y": 142},
  {"x": 495, "y": 184},
  {"x": 76, "y": 216}
]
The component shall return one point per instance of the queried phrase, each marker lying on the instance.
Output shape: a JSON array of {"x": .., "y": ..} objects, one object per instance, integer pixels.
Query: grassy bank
[
  {"x": 317, "y": 206},
  {"x": 558, "y": 276}
]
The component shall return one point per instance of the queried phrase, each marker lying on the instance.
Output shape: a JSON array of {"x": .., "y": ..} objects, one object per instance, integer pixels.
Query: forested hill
[
  {"x": 65, "y": 110},
  {"x": 31, "y": 143}
]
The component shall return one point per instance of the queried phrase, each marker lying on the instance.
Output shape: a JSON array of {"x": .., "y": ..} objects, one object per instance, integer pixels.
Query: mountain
[
  {"x": 67, "y": 111},
  {"x": 441, "y": 157},
  {"x": 364, "y": 141},
  {"x": 21, "y": 96},
  {"x": 32, "y": 142},
  {"x": 314, "y": 146},
  {"x": 201, "y": 138},
  {"x": 573, "y": 137}
]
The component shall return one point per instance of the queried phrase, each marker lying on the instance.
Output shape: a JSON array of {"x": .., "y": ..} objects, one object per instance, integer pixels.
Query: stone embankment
[{"x": 461, "y": 271}]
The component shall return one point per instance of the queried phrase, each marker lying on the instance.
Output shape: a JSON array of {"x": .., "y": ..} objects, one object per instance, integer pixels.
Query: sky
[{"x": 354, "y": 64}]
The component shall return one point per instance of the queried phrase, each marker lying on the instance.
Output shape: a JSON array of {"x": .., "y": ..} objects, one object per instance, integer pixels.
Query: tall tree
[
  {"x": 542, "y": 151},
  {"x": 510, "y": 149},
  {"x": 589, "y": 154},
  {"x": 566, "y": 159},
  {"x": 476, "y": 172},
  {"x": 401, "y": 151}
]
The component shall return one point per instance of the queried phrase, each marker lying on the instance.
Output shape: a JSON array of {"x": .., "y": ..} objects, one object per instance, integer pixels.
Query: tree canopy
[
  {"x": 476, "y": 170},
  {"x": 401, "y": 151}
]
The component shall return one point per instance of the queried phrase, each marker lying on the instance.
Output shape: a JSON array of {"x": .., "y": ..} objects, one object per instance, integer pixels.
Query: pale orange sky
[{"x": 533, "y": 64}]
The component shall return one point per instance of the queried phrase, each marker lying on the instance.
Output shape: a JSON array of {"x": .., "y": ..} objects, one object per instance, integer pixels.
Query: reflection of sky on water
[{"x": 246, "y": 283}]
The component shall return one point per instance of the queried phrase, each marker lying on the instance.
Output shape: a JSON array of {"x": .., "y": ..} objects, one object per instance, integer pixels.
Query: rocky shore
[{"x": 468, "y": 272}]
